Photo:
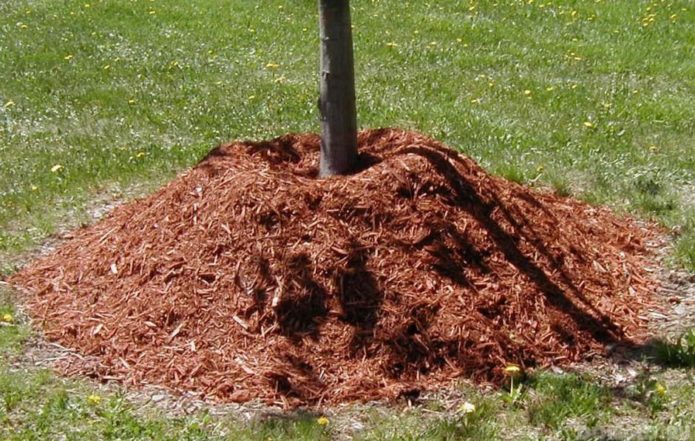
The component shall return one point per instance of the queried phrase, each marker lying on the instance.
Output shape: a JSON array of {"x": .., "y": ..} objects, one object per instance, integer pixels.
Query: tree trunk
[{"x": 337, "y": 101}]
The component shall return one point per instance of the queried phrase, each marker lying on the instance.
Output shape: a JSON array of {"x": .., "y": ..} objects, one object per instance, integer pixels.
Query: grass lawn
[{"x": 107, "y": 99}]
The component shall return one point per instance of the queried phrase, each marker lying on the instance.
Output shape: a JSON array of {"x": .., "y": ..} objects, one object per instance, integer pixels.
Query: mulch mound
[{"x": 247, "y": 277}]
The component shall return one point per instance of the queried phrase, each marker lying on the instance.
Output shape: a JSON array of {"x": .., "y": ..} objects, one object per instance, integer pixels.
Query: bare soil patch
[{"x": 247, "y": 277}]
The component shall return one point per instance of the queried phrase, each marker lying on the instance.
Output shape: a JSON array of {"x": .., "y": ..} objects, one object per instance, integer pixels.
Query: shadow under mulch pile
[{"x": 248, "y": 277}]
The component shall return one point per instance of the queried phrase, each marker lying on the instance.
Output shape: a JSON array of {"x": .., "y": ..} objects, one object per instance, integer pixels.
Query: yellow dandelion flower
[
  {"x": 322, "y": 421},
  {"x": 272, "y": 66},
  {"x": 56, "y": 168},
  {"x": 512, "y": 370},
  {"x": 7, "y": 318},
  {"x": 589, "y": 124},
  {"x": 660, "y": 389},
  {"x": 93, "y": 400},
  {"x": 527, "y": 92},
  {"x": 467, "y": 408},
  {"x": 8, "y": 104},
  {"x": 391, "y": 44},
  {"x": 68, "y": 57}
]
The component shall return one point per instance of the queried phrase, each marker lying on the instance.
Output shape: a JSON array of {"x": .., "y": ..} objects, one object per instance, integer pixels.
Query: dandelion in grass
[
  {"x": 7, "y": 318},
  {"x": 322, "y": 421},
  {"x": 93, "y": 400},
  {"x": 56, "y": 168},
  {"x": 466, "y": 408},
  {"x": 513, "y": 370},
  {"x": 8, "y": 104},
  {"x": 272, "y": 66},
  {"x": 660, "y": 389},
  {"x": 589, "y": 125},
  {"x": 68, "y": 57}
]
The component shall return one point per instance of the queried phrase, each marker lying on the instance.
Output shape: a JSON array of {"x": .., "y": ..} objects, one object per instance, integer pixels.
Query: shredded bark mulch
[{"x": 248, "y": 277}]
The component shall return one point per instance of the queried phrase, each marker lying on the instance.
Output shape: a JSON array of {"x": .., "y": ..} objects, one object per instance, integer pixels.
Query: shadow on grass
[
  {"x": 678, "y": 353},
  {"x": 299, "y": 425}
]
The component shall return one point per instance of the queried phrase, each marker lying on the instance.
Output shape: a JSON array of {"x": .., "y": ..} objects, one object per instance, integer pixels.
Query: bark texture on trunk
[{"x": 337, "y": 101}]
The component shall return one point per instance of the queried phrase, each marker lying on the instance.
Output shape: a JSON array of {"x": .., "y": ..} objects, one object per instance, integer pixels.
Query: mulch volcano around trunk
[{"x": 247, "y": 277}]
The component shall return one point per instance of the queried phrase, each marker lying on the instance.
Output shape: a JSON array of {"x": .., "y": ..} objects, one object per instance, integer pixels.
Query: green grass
[
  {"x": 107, "y": 99},
  {"x": 591, "y": 98},
  {"x": 12, "y": 335},
  {"x": 678, "y": 353},
  {"x": 561, "y": 397}
]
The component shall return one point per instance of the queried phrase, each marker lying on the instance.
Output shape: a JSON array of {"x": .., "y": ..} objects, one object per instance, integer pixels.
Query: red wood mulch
[{"x": 247, "y": 277}]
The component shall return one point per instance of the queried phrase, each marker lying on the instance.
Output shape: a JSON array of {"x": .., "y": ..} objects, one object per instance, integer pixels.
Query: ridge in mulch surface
[{"x": 248, "y": 277}]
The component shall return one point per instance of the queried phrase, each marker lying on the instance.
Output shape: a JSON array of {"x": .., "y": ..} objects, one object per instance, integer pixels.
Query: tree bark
[{"x": 337, "y": 101}]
